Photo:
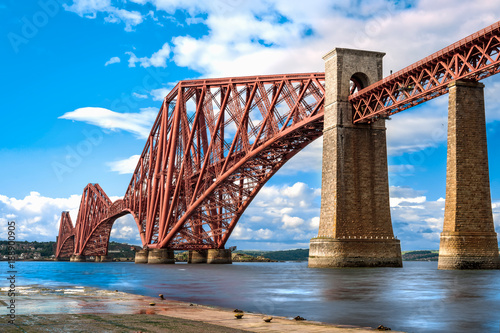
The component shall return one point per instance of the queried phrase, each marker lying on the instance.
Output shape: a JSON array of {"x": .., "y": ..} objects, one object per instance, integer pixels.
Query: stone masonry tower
[
  {"x": 355, "y": 225},
  {"x": 468, "y": 240}
]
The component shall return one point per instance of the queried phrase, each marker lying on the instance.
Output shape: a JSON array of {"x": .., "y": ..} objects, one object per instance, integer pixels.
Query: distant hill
[
  {"x": 287, "y": 255},
  {"x": 423, "y": 255},
  {"x": 303, "y": 255},
  {"x": 119, "y": 251}
]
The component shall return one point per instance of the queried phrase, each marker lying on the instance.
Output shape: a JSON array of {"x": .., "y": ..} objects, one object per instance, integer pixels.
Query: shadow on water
[{"x": 416, "y": 298}]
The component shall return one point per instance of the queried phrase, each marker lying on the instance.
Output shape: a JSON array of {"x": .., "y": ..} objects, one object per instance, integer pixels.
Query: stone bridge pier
[
  {"x": 468, "y": 240},
  {"x": 355, "y": 224},
  {"x": 166, "y": 256}
]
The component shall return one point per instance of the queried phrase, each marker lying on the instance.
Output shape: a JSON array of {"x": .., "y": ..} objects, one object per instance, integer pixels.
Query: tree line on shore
[{"x": 25, "y": 250}]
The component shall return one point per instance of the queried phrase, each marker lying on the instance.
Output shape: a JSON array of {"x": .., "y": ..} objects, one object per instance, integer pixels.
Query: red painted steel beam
[
  {"x": 214, "y": 144},
  {"x": 65, "y": 240},
  {"x": 473, "y": 58}
]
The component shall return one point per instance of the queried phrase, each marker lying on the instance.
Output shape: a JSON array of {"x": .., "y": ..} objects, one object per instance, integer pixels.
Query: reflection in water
[{"x": 416, "y": 298}]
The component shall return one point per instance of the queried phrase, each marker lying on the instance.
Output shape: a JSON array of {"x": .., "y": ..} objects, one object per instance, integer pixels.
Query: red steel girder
[
  {"x": 65, "y": 244},
  {"x": 96, "y": 216},
  {"x": 473, "y": 58},
  {"x": 94, "y": 206},
  {"x": 212, "y": 147}
]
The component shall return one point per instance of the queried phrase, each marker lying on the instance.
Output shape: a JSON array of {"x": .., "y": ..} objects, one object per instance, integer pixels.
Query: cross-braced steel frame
[
  {"x": 473, "y": 58},
  {"x": 65, "y": 245},
  {"x": 214, "y": 144}
]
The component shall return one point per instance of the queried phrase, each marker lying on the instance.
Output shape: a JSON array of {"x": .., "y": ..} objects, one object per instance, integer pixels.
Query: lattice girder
[
  {"x": 473, "y": 58},
  {"x": 65, "y": 244},
  {"x": 201, "y": 165}
]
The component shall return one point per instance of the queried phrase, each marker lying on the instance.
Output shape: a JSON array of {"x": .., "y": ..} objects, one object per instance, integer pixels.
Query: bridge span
[{"x": 216, "y": 142}]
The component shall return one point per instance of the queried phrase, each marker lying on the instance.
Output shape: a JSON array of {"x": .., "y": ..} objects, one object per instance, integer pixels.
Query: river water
[{"x": 416, "y": 298}]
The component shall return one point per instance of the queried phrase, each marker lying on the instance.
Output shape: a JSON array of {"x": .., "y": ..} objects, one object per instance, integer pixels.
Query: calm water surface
[{"x": 416, "y": 298}]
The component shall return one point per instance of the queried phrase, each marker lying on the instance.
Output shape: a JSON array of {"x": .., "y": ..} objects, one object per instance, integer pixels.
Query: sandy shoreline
[{"x": 78, "y": 309}]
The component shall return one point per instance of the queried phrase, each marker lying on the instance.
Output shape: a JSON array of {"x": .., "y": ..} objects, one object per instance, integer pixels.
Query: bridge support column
[
  {"x": 355, "y": 224},
  {"x": 141, "y": 257},
  {"x": 97, "y": 259},
  {"x": 468, "y": 240},
  {"x": 219, "y": 256},
  {"x": 197, "y": 257},
  {"x": 161, "y": 256},
  {"x": 105, "y": 258},
  {"x": 78, "y": 258}
]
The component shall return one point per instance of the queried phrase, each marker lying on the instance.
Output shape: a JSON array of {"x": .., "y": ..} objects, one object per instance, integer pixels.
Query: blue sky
[{"x": 82, "y": 82}]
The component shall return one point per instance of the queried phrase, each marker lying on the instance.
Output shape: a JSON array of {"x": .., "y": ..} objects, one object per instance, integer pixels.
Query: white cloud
[
  {"x": 36, "y": 216},
  {"x": 90, "y": 9},
  {"x": 308, "y": 159},
  {"x": 137, "y": 123},
  {"x": 288, "y": 213},
  {"x": 314, "y": 223},
  {"x": 417, "y": 221},
  {"x": 243, "y": 233},
  {"x": 140, "y": 96},
  {"x": 125, "y": 166},
  {"x": 425, "y": 127},
  {"x": 125, "y": 230},
  {"x": 113, "y": 60},
  {"x": 291, "y": 221},
  {"x": 255, "y": 40},
  {"x": 160, "y": 93},
  {"x": 157, "y": 59}
]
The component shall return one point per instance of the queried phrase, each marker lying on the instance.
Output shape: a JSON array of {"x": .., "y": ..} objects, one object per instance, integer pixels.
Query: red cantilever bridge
[{"x": 216, "y": 142}]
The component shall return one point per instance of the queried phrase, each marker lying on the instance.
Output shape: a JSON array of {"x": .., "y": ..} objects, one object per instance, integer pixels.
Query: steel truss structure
[
  {"x": 473, "y": 58},
  {"x": 65, "y": 244},
  {"x": 213, "y": 146},
  {"x": 216, "y": 142}
]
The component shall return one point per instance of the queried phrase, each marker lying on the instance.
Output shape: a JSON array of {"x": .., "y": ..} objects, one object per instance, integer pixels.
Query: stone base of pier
[
  {"x": 331, "y": 253},
  {"x": 77, "y": 258},
  {"x": 141, "y": 257},
  {"x": 468, "y": 240},
  {"x": 473, "y": 250},
  {"x": 219, "y": 256},
  {"x": 197, "y": 257},
  {"x": 161, "y": 256}
]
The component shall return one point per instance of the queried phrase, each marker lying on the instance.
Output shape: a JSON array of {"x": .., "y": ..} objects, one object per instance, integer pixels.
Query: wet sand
[{"x": 83, "y": 309}]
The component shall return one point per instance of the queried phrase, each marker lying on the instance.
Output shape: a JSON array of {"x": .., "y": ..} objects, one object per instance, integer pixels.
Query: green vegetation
[
  {"x": 423, "y": 255},
  {"x": 243, "y": 257},
  {"x": 46, "y": 250},
  {"x": 303, "y": 255},
  {"x": 287, "y": 255},
  {"x": 29, "y": 249},
  {"x": 120, "y": 252}
]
